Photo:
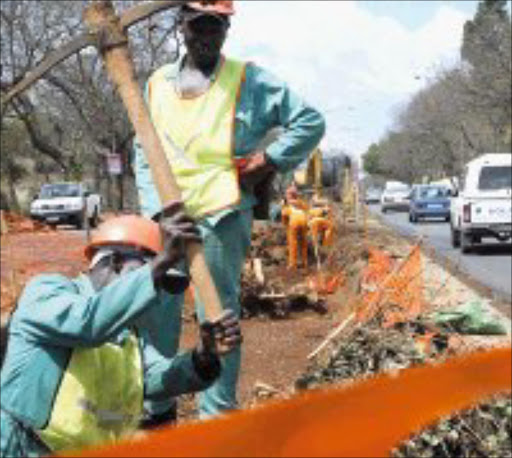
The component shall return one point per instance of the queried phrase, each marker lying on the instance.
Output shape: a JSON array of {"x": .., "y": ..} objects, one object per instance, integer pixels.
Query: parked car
[
  {"x": 429, "y": 201},
  {"x": 66, "y": 203},
  {"x": 395, "y": 197},
  {"x": 372, "y": 196},
  {"x": 482, "y": 208}
]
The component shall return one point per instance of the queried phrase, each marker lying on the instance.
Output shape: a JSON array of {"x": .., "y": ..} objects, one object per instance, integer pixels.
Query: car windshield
[
  {"x": 59, "y": 190},
  {"x": 397, "y": 191},
  {"x": 433, "y": 193},
  {"x": 493, "y": 178}
]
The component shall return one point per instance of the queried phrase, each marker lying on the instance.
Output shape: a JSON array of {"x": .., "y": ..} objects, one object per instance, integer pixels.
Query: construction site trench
[{"x": 392, "y": 303}]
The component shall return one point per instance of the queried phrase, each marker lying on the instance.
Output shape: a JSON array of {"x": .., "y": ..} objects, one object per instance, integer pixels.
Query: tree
[
  {"x": 487, "y": 42},
  {"x": 486, "y": 38},
  {"x": 465, "y": 111},
  {"x": 73, "y": 116},
  {"x": 15, "y": 152},
  {"x": 371, "y": 163}
]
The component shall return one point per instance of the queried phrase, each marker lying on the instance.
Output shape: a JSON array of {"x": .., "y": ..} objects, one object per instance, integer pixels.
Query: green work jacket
[{"x": 56, "y": 315}]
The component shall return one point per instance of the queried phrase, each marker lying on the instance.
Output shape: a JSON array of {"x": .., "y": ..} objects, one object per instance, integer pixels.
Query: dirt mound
[
  {"x": 17, "y": 223},
  {"x": 28, "y": 253}
]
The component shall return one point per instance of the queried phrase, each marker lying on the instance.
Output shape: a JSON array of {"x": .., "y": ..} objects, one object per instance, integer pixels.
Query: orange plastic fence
[
  {"x": 364, "y": 419},
  {"x": 398, "y": 294},
  {"x": 326, "y": 283},
  {"x": 379, "y": 266},
  {"x": 405, "y": 292}
]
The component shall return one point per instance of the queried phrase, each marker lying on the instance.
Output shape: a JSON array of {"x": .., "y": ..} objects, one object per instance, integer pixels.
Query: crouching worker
[{"x": 76, "y": 369}]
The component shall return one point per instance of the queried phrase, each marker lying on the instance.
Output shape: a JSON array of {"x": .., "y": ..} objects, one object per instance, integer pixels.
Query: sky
[{"x": 357, "y": 62}]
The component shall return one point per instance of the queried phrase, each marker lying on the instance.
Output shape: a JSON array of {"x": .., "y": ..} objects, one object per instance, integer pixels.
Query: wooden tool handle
[{"x": 101, "y": 17}]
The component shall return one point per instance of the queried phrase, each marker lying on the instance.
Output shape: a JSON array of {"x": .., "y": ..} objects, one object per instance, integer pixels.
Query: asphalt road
[{"x": 490, "y": 265}]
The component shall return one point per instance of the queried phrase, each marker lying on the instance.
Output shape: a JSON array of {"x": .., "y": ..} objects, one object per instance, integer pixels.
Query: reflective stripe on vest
[
  {"x": 197, "y": 135},
  {"x": 99, "y": 399}
]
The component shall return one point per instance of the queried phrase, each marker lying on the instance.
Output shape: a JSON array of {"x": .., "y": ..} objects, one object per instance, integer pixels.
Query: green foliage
[
  {"x": 487, "y": 34},
  {"x": 465, "y": 111},
  {"x": 371, "y": 160}
]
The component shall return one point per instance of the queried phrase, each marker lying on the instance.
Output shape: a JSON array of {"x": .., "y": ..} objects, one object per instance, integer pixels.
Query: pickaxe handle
[{"x": 101, "y": 18}]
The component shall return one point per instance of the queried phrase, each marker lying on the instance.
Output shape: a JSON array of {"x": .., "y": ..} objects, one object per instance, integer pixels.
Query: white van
[
  {"x": 70, "y": 203},
  {"x": 482, "y": 207}
]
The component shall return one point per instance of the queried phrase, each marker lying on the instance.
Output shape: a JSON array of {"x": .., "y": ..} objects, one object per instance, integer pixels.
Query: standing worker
[
  {"x": 211, "y": 112},
  {"x": 295, "y": 220},
  {"x": 76, "y": 367}
]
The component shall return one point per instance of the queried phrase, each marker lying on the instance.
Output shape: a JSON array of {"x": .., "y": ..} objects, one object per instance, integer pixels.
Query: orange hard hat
[
  {"x": 214, "y": 6},
  {"x": 128, "y": 230}
]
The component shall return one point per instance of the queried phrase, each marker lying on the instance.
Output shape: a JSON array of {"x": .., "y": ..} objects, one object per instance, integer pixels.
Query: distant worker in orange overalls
[
  {"x": 320, "y": 223},
  {"x": 294, "y": 218}
]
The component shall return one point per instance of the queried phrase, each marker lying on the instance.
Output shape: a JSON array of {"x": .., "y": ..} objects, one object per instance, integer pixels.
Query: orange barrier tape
[{"x": 364, "y": 419}]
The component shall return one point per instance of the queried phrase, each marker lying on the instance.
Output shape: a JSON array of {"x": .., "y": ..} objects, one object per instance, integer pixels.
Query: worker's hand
[
  {"x": 177, "y": 229},
  {"x": 253, "y": 169},
  {"x": 228, "y": 334},
  {"x": 221, "y": 335},
  {"x": 216, "y": 338}
]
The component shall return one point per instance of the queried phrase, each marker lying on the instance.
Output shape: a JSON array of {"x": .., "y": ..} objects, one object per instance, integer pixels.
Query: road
[{"x": 489, "y": 265}]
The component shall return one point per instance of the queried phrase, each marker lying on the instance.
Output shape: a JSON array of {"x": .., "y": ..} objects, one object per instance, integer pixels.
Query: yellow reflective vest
[
  {"x": 197, "y": 135},
  {"x": 99, "y": 399}
]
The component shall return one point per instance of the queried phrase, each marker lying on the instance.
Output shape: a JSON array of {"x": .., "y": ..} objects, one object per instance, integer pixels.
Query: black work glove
[
  {"x": 253, "y": 169},
  {"x": 216, "y": 338},
  {"x": 177, "y": 231}
]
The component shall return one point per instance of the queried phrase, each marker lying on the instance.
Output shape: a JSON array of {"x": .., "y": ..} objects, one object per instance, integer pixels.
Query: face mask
[{"x": 118, "y": 257}]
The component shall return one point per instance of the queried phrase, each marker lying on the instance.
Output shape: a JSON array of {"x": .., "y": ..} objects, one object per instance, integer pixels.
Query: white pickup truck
[
  {"x": 66, "y": 203},
  {"x": 482, "y": 207}
]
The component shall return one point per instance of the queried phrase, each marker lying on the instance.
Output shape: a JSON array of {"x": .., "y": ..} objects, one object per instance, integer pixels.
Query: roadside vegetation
[
  {"x": 66, "y": 124},
  {"x": 461, "y": 113}
]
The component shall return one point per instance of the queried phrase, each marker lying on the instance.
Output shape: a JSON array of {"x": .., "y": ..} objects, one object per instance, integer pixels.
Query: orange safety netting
[
  {"x": 396, "y": 291},
  {"x": 365, "y": 419},
  {"x": 379, "y": 266},
  {"x": 406, "y": 291},
  {"x": 325, "y": 282}
]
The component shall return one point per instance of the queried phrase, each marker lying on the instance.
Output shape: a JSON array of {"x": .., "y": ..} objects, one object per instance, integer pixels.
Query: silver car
[{"x": 396, "y": 199}]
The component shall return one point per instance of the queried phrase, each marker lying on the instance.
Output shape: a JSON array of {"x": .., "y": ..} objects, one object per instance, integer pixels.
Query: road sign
[{"x": 114, "y": 164}]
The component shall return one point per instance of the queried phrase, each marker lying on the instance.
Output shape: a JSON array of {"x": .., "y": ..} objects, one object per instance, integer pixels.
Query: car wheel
[
  {"x": 94, "y": 219},
  {"x": 383, "y": 210},
  {"x": 79, "y": 222},
  {"x": 448, "y": 219},
  {"x": 466, "y": 243},
  {"x": 455, "y": 237}
]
